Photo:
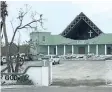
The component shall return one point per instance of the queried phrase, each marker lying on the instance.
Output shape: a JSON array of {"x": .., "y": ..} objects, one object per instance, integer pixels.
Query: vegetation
[{"x": 23, "y": 12}]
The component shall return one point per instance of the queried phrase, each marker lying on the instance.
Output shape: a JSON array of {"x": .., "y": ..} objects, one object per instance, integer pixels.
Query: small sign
[
  {"x": 81, "y": 42},
  {"x": 13, "y": 78}
]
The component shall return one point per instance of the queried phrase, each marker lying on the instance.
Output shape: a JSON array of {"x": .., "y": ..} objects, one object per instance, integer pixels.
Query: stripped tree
[
  {"x": 4, "y": 13},
  {"x": 23, "y": 12}
]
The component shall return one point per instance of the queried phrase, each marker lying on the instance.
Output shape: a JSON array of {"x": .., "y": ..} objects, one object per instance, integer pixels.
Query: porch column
[
  {"x": 105, "y": 49},
  {"x": 96, "y": 49},
  {"x": 88, "y": 49},
  {"x": 56, "y": 50},
  {"x": 48, "y": 49},
  {"x": 72, "y": 49},
  {"x": 64, "y": 50}
]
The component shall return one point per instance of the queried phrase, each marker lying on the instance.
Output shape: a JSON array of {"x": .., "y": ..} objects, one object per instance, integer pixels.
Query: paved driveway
[{"x": 60, "y": 89}]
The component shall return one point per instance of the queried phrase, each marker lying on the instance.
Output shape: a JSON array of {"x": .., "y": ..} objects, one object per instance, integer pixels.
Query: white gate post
[{"x": 50, "y": 73}]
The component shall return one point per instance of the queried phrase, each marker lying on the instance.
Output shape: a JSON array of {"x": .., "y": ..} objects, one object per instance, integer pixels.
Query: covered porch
[{"x": 98, "y": 49}]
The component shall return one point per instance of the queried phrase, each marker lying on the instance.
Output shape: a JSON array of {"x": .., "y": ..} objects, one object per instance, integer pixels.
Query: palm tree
[{"x": 4, "y": 13}]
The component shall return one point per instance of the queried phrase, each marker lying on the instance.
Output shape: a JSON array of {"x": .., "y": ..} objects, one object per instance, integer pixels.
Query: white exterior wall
[
  {"x": 35, "y": 75},
  {"x": 52, "y": 49},
  {"x": 45, "y": 76},
  {"x": 60, "y": 49},
  {"x": 39, "y": 75},
  {"x": 37, "y": 37},
  {"x": 43, "y": 49},
  {"x": 68, "y": 49}
]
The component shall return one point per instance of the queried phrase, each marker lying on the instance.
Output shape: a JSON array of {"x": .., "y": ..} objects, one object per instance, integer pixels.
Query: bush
[{"x": 24, "y": 80}]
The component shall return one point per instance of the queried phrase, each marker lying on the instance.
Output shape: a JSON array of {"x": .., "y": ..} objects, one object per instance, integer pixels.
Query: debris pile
[{"x": 86, "y": 57}]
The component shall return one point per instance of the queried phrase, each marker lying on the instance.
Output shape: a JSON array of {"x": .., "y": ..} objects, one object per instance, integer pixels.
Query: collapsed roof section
[{"x": 79, "y": 28}]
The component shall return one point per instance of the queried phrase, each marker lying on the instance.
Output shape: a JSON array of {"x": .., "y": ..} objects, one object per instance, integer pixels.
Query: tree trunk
[
  {"x": 17, "y": 64},
  {"x": 7, "y": 46},
  {"x": 11, "y": 63}
]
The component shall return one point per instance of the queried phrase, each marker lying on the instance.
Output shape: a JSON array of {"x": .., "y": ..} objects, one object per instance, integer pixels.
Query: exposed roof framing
[{"x": 81, "y": 16}]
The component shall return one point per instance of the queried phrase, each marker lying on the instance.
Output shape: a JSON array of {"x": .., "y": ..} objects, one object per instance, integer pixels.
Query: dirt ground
[
  {"x": 83, "y": 70},
  {"x": 87, "y": 73},
  {"x": 79, "y": 72}
]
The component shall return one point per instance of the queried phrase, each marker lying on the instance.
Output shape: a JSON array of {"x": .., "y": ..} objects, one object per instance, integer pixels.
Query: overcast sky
[{"x": 59, "y": 14}]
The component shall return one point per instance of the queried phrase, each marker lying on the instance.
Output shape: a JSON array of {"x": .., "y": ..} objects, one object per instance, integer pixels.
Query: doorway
[{"x": 81, "y": 50}]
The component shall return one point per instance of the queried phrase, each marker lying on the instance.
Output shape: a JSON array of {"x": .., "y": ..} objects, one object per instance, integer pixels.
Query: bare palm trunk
[{"x": 7, "y": 46}]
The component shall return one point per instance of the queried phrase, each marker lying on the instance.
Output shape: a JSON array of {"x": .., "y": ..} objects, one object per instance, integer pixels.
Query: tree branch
[
  {"x": 21, "y": 20},
  {"x": 34, "y": 21},
  {"x": 12, "y": 26},
  {"x": 27, "y": 11}
]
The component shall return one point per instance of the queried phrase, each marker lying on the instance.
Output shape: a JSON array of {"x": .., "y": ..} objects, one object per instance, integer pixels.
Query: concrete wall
[
  {"x": 75, "y": 49},
  {"x": 45, "y": 76},
  {"x": 43, "y": 49},
  {"x": 68, "y": 49},
  {"x": 37, "y": 38},
  {"x": 86, "y": 49},
  {"x": 93, "y": 49},
  {"x": 51, "y": 48},
  {"x": 101, "y": 49},
  {"x": 39, "y": 75},
  {"x": 60, "y": 50}
]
